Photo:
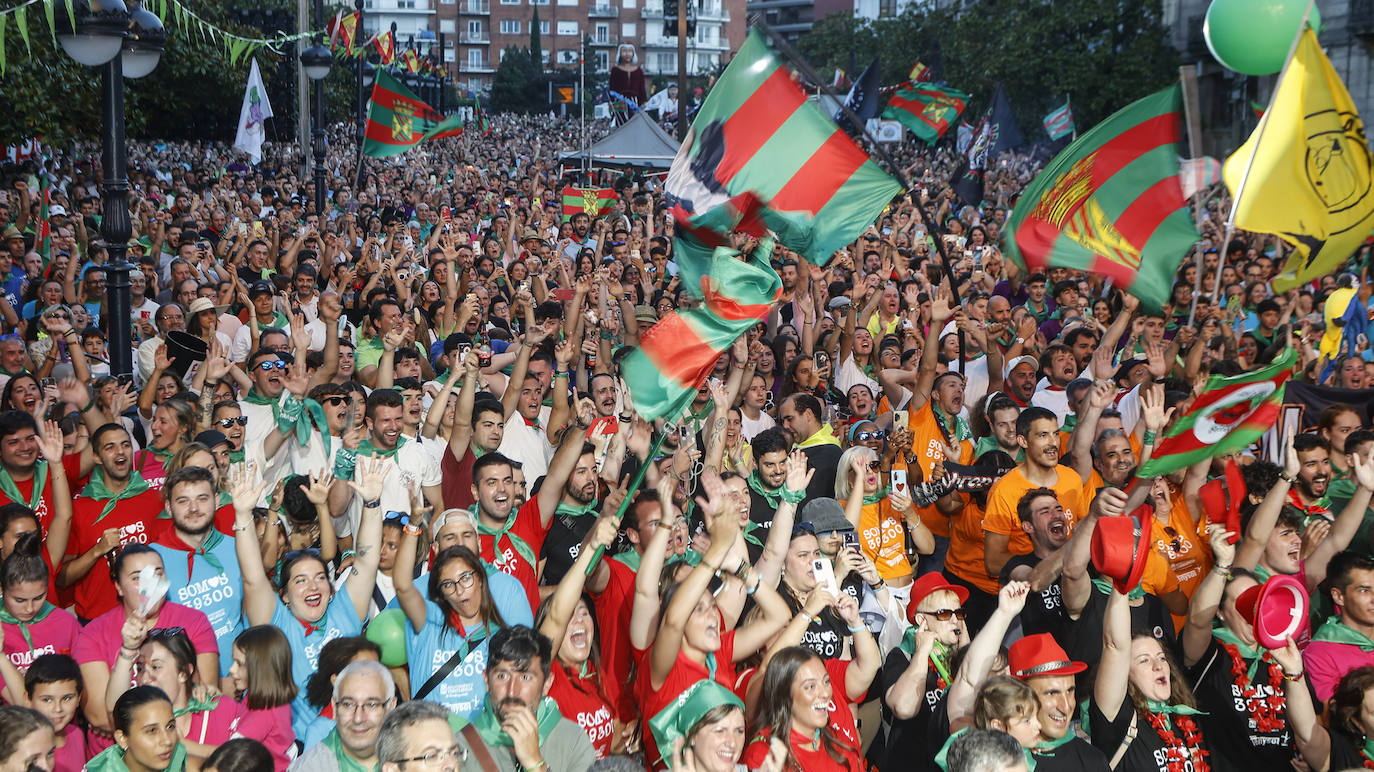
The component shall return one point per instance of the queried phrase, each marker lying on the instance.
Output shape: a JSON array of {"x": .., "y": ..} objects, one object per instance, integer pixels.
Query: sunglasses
[
  {"x": 271, "y": 364},
  {"x": 336, "y": 400},
  {"x": 228, "y": 422},
  {"x": 397, "y": 517},
  {"x": 163, "y": 633},
  {"x": 944, "y": 614},
  {"x": 874, "y": 465},
  {"x": 876, "y": 434}
]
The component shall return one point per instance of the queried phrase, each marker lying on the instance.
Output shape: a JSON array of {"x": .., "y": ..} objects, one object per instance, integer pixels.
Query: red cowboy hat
[
  {"x": 1221, "y": 499},
  {"x": 1040, "y": 655},
  {"x": 927, "y": 584},
  {"x": 1277, "y": 610},
  {"x": 1119, "y": 549}
]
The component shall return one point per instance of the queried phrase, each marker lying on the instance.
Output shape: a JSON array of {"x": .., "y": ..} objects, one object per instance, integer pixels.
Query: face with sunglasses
[
  {"x": 867, "y": 434},
  {"x": 941, "y": 614},
  {"x": 267, "y": 373},
  {"x": 230, "y": 420}
]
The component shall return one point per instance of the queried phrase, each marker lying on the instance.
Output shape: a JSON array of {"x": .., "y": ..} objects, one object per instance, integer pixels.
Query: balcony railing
[
  {"x": 601, "y": 12},
  {"x": 476, "y": 37},
  {"x": 475, "y": 7},
  {"x": 476, "y": 67}
]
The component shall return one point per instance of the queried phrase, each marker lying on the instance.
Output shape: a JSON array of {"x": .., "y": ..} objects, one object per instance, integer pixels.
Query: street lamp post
[
  {"x": 366, "y": 72},
  {"x": 124, "y": 44},
  {"x": 316, "y": 61}
]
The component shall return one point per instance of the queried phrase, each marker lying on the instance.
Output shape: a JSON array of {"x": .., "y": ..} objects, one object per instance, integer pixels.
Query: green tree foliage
[
  {"x": 1104, "y": 53},
  {"x": 536, "y": 50},
  {"x": 517, "y": 85}
]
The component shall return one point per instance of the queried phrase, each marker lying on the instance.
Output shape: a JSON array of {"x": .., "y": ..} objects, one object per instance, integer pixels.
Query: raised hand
[
  {"x": 798, "y": 475},
  {"x": 73, "y": 392},
  {"x": 1012, "y": 597},
  {"x": 217, "y": 365},
  {"x": 317, "y": 490},
  {"x": 297, "y": 380},
  {"x": 50, "y": 441},
  {"x": 243, "y": 491},
  {"x": 369, "y": 476},
  {"x": 1220, "y": 539}
]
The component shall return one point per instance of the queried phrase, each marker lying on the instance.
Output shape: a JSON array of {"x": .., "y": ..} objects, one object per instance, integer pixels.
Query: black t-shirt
[
  {"x": 1044, "y": 611},
  {"x": 1146, "y": 753},
  {"x": 761, "y": 514},
  {"x": 1345, "y": 752},
  {"x": 825, "y": 459},
  {"x": 1082, "y": 638},
  {"x": 1076, "y": 755},
  {"x": 563, "y": 543},
  {"x": 828, "y": 637},
  {"x": 909, "y": 740},
  {"x": 1230, "y": 721}
]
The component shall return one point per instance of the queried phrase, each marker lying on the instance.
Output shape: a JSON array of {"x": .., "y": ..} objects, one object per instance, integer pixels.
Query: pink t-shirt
[
  {"x": 72, "y": 756},
  {"x": 56, "y": 634},
  {"x": 213, "y": 727},
  {"x": 272, "y": 728}
]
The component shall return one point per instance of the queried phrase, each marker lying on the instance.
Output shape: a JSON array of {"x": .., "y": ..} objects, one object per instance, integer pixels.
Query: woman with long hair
[
  {"x": 884, "y": 519},
  {"x": 173, "y": 422},
  {"x": 265, "y": 691},
  {"x": 22, "y": 392},
  {"x": 166, "y": 659},
  {"x": 802, "y": 705},
  {"x": 145, "y": 735},
  {"x": 1343, "y": 741}
]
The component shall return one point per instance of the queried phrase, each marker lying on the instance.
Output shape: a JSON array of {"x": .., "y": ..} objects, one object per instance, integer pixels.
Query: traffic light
[{"x": 670, "y": 18}]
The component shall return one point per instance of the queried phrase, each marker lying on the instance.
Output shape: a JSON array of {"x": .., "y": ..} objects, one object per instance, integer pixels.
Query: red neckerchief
[
  {"x": 169, "y": 538},
  {"x": 532, "y": 424},
  {"x": 328, "y": 711},
  {"x": 1013, "y": 398},
  {"x": 309, "y": 628},
  {"x": 1315, "y": 510}
]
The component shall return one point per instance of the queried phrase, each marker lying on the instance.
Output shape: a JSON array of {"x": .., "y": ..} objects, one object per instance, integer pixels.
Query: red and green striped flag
[
  {"x": 596, "y": 202},
  {"x": 1112, "y": 203},
  {"x": 926, "y": 109},
  {"x": 44, "y": 232},
  {"x": 1230, "y": 414},
  {"x": 397, "y": 120},
  {"x": 676, "y": 354},
  {"x": 1059, "y": 122},
  {"x": 757, "y": 132}
]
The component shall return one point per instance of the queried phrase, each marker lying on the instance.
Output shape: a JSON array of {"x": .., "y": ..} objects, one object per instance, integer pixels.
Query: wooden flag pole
[{"x": 1254, "y": 151}]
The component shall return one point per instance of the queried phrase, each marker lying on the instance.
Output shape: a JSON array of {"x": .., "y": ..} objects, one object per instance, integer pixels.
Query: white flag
[{"x": 256, "y": 110}]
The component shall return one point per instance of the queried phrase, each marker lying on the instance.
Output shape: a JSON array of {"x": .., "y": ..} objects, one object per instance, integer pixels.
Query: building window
[
  {"x": 567, "y": 56},
  {"x": 510, "y": 2},
  {"x": 477, "y": 57},
  {"x": 603, "y": 61},
  {"x": 627, "y": 31},
  {"x": 628, "y": 3},
  {"x": 665, "y": 62},
  {"x": 446, "y": 26},
  {"x": 450, "y": 55},
  {"x": 510, "y": 26},
  {"x": 543, "y": 26},
  {"x": 405, "y": 4},
  {"x": 446, "y": 2},
  {"x": 474, "y": 28},
  {"x": 567, "y": 28},
  {"x": 603, "y": 33}
]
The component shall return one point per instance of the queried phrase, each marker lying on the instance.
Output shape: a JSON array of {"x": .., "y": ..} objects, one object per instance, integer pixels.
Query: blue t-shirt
[
  {"x": 340, "y": 621},
  {"x": 512, "y": 603},
  {"x": 13, "y": 286},
  {"x": 217, "y": 594},
  {"x": 464, "y": 689},
  {"x": 319, "y": 728}
]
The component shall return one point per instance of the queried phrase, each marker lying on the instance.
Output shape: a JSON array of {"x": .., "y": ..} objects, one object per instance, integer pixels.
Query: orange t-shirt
[
  {"x": 1001, "y": 517},
  {"x": 882, "y": 535},
  {"x": 926, "y": 441},
  {"x": 965, "y": 556},
  {"x": 1184, "y": 547}
]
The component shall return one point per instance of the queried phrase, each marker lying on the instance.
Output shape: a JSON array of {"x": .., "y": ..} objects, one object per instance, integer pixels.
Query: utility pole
[{"x": 302, "y": 88}]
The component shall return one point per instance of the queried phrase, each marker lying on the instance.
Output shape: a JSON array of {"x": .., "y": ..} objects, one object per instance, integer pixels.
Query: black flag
[
  {"x": 996, "y": 133},
  {"x": 863, "y": 97}
]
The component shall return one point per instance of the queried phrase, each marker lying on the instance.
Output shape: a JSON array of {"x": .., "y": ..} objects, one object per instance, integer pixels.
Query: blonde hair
[
  {"x": 843, "y": 479},
  {"x": 936, "y": 601},
  {"x": 1003, "y": 698}
]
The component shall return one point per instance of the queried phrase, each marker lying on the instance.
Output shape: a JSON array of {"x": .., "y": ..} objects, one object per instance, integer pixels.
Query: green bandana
[
  {"x": 1336, "y": 631},
  {"x": 773, "y": 496},
  {"x": 876, "y": 497},
  {"x": 1051, "y": 745},
  {"x": 40, "y": 481},
  {"x": 1167, "y": 709},
  {"x": 631, "y": 558},
  {"x": 254, "y": 398},
  {"x": 368, "y": 449},
  {"x": 346, "y": 762},
  {"x": 489, "y": 725},
  {"x": 236, "y": 456},
  {"x": 682, "y": 714},
  {"x": 11, "y": 619},
  {"x": 96, "y": 489},
  {"x": 521, "y": 546},
  {"x": 937, "y": 653},
  {"x": 292, "y": 420},
  {"x": 1248, "y": 653},
  {"x": 1105, "y": 587},
  {"x": 577, "y": 510},
  {"x": 194, "y": 705},
  {"x": 1368, "y": 749},
  {"x": 112, "y": 760},
  {"x": 959, "y": 433},
  {"x": 748, "y": 533}
]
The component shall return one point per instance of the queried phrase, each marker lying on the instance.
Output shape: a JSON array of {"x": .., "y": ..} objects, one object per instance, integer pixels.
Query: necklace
[
  {"x": 1179, "y": 752},
  {"x": 1266, "y": 708}
]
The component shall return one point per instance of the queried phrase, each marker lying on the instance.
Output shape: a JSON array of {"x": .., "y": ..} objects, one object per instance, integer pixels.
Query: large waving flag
[
  {"x": 595, "y": 202},
  {"x": 757, "y": 132},
  {"x": 1230, "y": 414},
  {"x": 997, "y": 132},
  {"x": 252, "y": 115},
  {"x": 927, "y": 110},
  {"x": 1112, "y": 203},
  {"x": 1310, "y": 182},
  {"x": 397, "y": 120}
]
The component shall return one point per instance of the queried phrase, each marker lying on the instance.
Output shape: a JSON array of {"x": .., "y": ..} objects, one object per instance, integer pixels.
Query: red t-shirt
[
  {"x": 137, "y": 521},
  {"x": 72, "y": 463},
  {"x": 685, "y": 672},
  {"x": 613, "y": 607},
  {"x": 529, "y": 528},
  {"x": 456, "y": 485},
  {"x": 581, "y": 703},
  {"x": 842, "y": 726}
]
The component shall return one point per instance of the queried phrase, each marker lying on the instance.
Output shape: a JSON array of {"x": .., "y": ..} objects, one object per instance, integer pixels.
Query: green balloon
[
  {"x": 1253, "y": 37},
  {"x": 388, "y": 630}
]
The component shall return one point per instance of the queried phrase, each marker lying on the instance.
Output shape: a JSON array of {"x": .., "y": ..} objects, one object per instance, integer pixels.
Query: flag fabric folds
[
  {"x": 1311, "y": 176},
  {"x": 995, "y": 133},
  {"x": 596, "y": 202},
  {"x": 385, "y": 43},
  {"x": 1059, "y": 123},
  {"x": 757, "y": 132},
  {"x": 1230, "y": 414},
  {"x": 410, "y": 61},
  {"x": 343, "y": 31},
  {"x": 1112, "y": 203},
  {"x": 397, "y": 120},
  {"x": 255, "y": 111},
  {"x": 927, "y": 110},
  {"x": 920, "y": 74},
  {"x": 863, "y": 98}
]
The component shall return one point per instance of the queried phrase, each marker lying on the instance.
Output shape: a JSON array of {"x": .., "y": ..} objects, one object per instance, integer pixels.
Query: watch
[{"x": 372, "y": 504}]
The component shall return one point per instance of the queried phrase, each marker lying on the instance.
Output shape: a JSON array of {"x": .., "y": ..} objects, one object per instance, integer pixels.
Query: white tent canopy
[{"x": 639, "y": 142}]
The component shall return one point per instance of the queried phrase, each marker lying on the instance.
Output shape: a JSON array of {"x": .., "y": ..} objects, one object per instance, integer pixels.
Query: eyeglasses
[
  {"x": 349, "y": 706},
  {"x": 874, "y": 465},
  {"x": 876, "y": 434},
  {"x": 228, "y": 422},
  {"x": 271, "y": 364},
  {"x": 163, "y": 633},
  {"x": 336, "y": 400},
  {"x": 438, "y": 757},
  {"x": 944, "y": 614},
  {"x": 464, "y": 580}
]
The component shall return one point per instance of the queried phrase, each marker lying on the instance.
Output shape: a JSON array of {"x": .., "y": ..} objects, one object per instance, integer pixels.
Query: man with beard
[
  {"x": 364, "y": 693},
  {"x": 574, "y": 515},
  {"x": 519, "y": 724},
  {"x": 1082, "y": 342},
  {"x": 801, "y": 416},
  {"x": 412, "y": 469},
  {"x": 478, "y": 426},
  {"x": 1019, "y": 383},
  {"x": 767, "y": 490},
  {"x": 1037, "y": 432},
  {"x": 201, "y": 564},
  {"x": 1043, "y": 664},
  {"x": 604, "y": 394},
  {"x": 1042, "y": 520},
  {"x": 115, "y": 508},
  {"x": 1314, "y": 474}
]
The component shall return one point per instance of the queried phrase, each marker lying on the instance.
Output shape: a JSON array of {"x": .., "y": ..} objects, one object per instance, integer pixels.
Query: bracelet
[
  {"x": 879, "y": 585},
  {"x": 563, "y": 374},
  {"x": 541, "y": 763},
  {"x": 1294, "y": 677},
  {"x": 239, "y": 528},
  {"x": 751, "y": 590},
  {"x": 854, "y": 629},
  {"x": 346, "y": 554},
  {"x": 1149, "y": 438},
  {"x": 133, "y": 653},
  {"x": 1286, "y": 478},
  {"x": 1225, "y": 571},
  {"x": 412, "y": 529},
  {"x": 374, "y": 504}
]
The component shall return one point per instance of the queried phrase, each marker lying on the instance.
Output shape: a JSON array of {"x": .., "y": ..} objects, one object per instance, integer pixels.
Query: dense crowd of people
[{"x": 365, "y": 501}]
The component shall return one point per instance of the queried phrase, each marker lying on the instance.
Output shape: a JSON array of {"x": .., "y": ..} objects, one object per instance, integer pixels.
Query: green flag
[
  {"x": 397, "y": 120},
  {"x": 928, "y": 110},
  {"x": 1230, "y": 414},
  {"x": 1112, "y": 203}
]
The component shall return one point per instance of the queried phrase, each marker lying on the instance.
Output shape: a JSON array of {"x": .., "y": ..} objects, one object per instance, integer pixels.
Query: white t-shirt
[
  {"x": 849, "y": 374},
  {"x": 412, "y": 468},
  {"x": 749, "y": 428},
  {"x": 528, "y": 445}
]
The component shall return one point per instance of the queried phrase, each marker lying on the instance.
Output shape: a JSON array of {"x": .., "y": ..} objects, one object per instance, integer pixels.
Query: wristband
[
  {"x": 346, "y": 554},
  {"x": 412, "y": 529},
  {"x": 345, "y": 463},
  {"x": 857, "y": 629},
  {"x": 1286, "y": 478},
  {"x": 373, "y": 504},
  {"x": 879, "y": 585},
  {"x": 1295, "y": 677},
  {"x": 1149, "y": 438},
  {"x": 791, "y": 496}
]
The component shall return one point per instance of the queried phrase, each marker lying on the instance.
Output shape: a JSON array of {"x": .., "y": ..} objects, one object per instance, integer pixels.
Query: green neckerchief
[
  {"x": 1248, "y": 653},
  {"x": 577, "y": 510},
  {"x": 346, "y": 762},
  {"x": 1336, "y": 631},
  {"x": 937, "y": 653},
  {"x": 366, "y": 448},
  {"x": 1170, "y": 710},
  {"x": 1367, "y": 750},
  {"x": 1041, "y": 315},
  {"x": 958, "y": 434},
  {"x": 631, "y": 558},
  {"x": 194, "y": 705},
  {"x": 773, "y": 496},
  {"x": 292, "y": 420},
  {"x": 989, "y": 444},
  {"x": 748, "y": 533},
  {"x": 212, "y": 540},
  {"x": 40, "y": 481},
  {"x": 1262, "y": 574},
  {"x": 11, "y": 619},
  {"x": 489, "y": 724},
  {"x": 96, "y": 489},
  {"x": 521, "y": 546},
  {"x": 1105, "y": 587},
  {"x": 1053, "y": 745},
  {"x": 691, "y": 557},
  {"x": 236, "y": 456},
  {"x": 254, "y": 398},
  {"x": 1070, "y": 421},
  {"x": 876, "y": 497},
  {"x": 112, "y": 760}
]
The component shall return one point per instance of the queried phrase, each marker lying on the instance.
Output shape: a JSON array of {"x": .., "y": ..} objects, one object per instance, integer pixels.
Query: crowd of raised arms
[{"x": 360, "y": 505}]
